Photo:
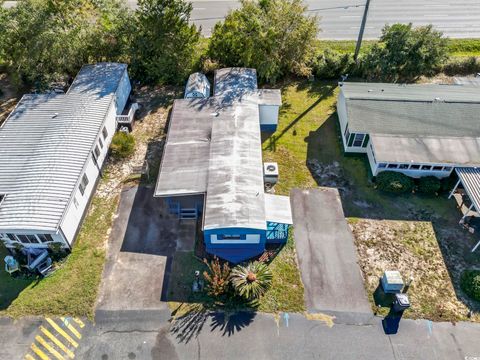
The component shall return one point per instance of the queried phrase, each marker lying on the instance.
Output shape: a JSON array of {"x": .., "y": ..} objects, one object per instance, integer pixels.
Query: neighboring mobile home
[
  {"x": 418, "y": 130},
  {"x": 52, "y": 148},
  {"x": 212, "y": 168}
]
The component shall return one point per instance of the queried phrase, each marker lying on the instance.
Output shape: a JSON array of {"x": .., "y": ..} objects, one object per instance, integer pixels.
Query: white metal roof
[
  {"x": 278, "y": 209},
  {"x": 98, "y": 79},
  {"x": 470, "y": 178},
  {"x": 44, "y": 145},
  {"x": 235, "y": 190}
]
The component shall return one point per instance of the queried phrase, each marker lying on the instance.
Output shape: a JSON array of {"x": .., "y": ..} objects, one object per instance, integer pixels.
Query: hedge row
[{"x": 398, "y": 183}]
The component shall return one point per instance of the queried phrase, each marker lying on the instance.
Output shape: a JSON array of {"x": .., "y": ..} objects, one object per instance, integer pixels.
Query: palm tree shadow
[{"x": 229, "y": 323}]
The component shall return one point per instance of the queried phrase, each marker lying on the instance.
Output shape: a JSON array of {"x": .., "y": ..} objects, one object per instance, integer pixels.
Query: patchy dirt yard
[{"x": 410, "y": 247}]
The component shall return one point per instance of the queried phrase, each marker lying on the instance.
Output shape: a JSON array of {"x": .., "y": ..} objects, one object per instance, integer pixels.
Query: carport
[{"x": 470, "y": 180}]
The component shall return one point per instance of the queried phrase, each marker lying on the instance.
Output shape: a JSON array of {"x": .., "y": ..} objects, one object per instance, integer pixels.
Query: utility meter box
[{"x": 392, "y": 282}]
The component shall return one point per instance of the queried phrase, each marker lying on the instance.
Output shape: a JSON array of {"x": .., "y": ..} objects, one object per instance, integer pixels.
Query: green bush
[
  {"x": 123, "y": 145},
  {"x": 464, "y": 66},
  {"x": 332, "y": 64},
  {"x": 394, "y": 182},
  {"x": 217, "y": 278},
  {"x": 470, "y": 283},
  {"x": 429, "y": 185},
  {"x": 251, "y": 281},
  {"x": 447, "y": 184}
]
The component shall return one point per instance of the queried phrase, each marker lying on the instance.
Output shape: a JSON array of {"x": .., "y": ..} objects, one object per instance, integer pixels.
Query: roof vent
[
  {"x": 370, "y": 90},
  {"x": 437, "y": 99},
  {"x": 215, "y": 114},
  {"x": 54, "y": 115},
  {"x": 2, "y": 197}
]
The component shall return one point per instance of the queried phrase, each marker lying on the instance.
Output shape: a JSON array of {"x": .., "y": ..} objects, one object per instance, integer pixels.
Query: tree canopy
[
  {"x": 273, "y": 36},
  {"x": 44, "y": 40},
  {"x": 164, "y": 44},
  {"x": 404, "y": 53}
]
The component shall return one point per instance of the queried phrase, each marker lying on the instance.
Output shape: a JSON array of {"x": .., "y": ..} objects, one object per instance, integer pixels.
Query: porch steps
[{"x": 188, "y": 214}]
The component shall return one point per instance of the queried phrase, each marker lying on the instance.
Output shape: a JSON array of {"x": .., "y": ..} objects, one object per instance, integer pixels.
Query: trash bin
[{"x": 401, "y": 302}]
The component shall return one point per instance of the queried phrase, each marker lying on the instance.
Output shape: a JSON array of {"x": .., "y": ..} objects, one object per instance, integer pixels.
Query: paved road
[
  {"x": 149, "y": 335},
  {"x": 340, "y": 19},
  {"x": 326, "y": 253}
]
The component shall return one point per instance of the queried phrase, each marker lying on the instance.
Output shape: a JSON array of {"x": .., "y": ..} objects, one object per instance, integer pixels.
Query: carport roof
[
  {"x": 277, "y": 209},
  {"x": 470, "y": 178}
]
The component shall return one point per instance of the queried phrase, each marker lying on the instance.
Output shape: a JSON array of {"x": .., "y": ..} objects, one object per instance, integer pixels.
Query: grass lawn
[
  {"x": 308, "y": 139},
  {"x": 72, "y": 289}
]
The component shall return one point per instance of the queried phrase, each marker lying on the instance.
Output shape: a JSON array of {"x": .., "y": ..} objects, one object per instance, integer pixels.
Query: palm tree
[{"x": 251, "y": 281}]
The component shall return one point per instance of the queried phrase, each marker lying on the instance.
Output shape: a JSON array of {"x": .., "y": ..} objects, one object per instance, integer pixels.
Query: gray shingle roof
[
  {"x": 434, "y": 150},
  {"x": 413, "y": 110},
  {"x": 44, "y": 145}
]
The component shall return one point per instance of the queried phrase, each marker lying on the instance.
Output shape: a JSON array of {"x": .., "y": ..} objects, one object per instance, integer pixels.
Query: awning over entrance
[{"x": 470, "y": 179}]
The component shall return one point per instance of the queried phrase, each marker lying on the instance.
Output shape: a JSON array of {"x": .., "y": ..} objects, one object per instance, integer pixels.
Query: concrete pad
[
  {"x": 326, "y": 253},
  {"x": 142, "y": 243}
]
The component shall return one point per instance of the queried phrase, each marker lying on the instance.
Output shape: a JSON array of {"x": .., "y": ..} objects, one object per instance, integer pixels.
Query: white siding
[
  {"x": 419, "y": 173},
  {"x": 268, "y": 114},
  {"x": 122, "y": 93},
  {"x": 76, "y": 209},
  {"x": 343, "y": 120},
  {"x": 371, "y": 158}
]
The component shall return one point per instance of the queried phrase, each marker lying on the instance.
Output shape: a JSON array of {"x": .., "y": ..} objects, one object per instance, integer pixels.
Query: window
[
  {"x": 32, "y": 238},
  {"x": 358, "y": 140},
  {"x": 414, "y": 167},
  {"x": 373, "y": 154},
  {"x": 426, "y": 167},
  {"x": 83, "y": 184},
  {"x": 447, "y": 168},
  {"x": 392, "y": 166},
  {"x": 12, "y": 237},
  {"x": 100, "y": 142},
  {"x": 346, "y": 133},
  {"x": 45, "y": 237},
  {"x": 23, "y": 239},
  {"x": 403, "y": 166},
  {"x": 365, "y": 141},
  {"x": 97, "y": 151},
  {"x": 104, "y": 132},
  {"x": 437, "y": 168},
  {"x": 229, "y": 237},
  {"x": 382, "y": 165}
]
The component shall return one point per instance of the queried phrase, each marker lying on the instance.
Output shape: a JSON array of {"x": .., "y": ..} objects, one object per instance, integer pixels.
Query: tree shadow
[{"x": 230, "y": 323}]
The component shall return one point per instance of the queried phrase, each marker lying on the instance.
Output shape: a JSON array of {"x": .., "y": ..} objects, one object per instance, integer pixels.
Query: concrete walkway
[{"x": 326, "y": 253}]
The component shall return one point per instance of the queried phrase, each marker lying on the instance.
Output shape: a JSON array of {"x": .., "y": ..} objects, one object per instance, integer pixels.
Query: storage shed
[
  {"x": 418, "y": 130},
  {"x": 197, "y": 86},
  {"x": 52, "y": 148},
  {"x": 213, "y": 149}
]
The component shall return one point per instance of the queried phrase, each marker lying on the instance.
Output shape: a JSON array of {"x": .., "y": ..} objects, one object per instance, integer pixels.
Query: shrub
[
  {"x": 217, "y": 278},
  {"x": 464, "y": 66},
  {"x": 447, "y": 184},
  {"x": 332, "y": 64},
  {"x": 251, "y": 281},
  {"x": 470, "y": 283},
  {"x": 405, "y": 53},
  {"x": 394, "y": 182},
  {"x": 429, "y": 185},
  {"x": 273, "y": 36},
  {"x": 123, "y": 145}
]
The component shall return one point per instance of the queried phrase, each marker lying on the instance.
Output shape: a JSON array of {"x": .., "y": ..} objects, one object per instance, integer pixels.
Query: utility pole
[{"x": 362, "y": 29}]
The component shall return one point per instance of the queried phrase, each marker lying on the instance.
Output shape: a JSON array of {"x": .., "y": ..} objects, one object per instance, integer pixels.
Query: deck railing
[{"x": 128, "y": 119}]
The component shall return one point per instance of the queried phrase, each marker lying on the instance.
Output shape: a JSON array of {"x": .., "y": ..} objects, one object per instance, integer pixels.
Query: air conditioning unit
[{"x": 270, "y": 174}]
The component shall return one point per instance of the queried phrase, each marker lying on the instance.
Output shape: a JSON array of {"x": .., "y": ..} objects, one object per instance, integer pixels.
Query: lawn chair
[{"x": 11, "y": 265}]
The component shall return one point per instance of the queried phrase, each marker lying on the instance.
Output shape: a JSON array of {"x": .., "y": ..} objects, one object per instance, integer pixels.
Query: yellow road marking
[
  {"x": 61, "y": 332},
  {"x": 29, "y": 357},
  {"x": 57, "y": 342},
  {"x": 71, "y": 327},
  {"x": 79, "y": 322},
  {"x": 49, "y": 347},
  {"x": 39, "y": 352}
]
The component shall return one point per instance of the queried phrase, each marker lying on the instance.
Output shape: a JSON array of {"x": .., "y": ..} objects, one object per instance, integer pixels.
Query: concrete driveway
[
  {"x": 143, "y": 240},
  {"x": 326, "y": 253}
]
